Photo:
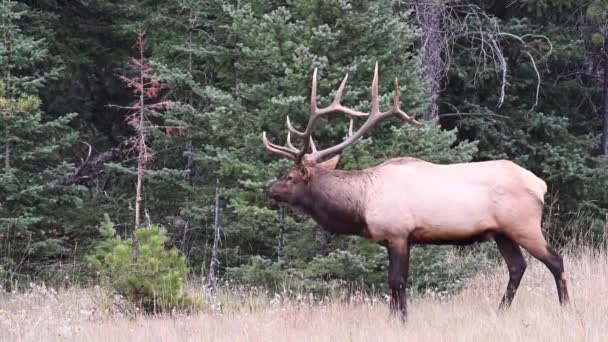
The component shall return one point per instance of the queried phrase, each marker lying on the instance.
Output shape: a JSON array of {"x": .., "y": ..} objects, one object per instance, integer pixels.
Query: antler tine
[
  {"x": 280, "y": 150},
  {"x": 292, "y": 129},
  {"x": 338, "y": 96},
  {"x": 374, "y": 117},
  {"x": 395, "y": 96},
  {"x": 316, "y": 113},
  {"x": 313, "y": 147},
  {"x": 313, "y": 112},
  {"x": 313, "y": 94},
  {"x": 375, "y": 98},
  {"x": 397, "y": 110},
  {"x": 290, "y": 145}
]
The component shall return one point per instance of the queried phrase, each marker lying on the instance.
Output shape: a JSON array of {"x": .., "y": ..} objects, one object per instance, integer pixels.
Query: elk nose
[
  {"x": 268, "y": 192},
  {"x": 271, "y": 193}
]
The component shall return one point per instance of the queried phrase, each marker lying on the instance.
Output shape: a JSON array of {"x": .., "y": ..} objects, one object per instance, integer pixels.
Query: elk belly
[
  {"x": 458, "y": 214},
  {"x": 425, "y": 235},
  {"x": 432, "y": 208}
]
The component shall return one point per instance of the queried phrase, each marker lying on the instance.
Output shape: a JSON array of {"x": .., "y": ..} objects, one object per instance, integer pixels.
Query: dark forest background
[{"x": 519, "y": 80}]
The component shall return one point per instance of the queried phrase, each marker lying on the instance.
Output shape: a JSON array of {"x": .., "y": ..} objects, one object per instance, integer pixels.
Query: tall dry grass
[{"x": 42, "y": 314}]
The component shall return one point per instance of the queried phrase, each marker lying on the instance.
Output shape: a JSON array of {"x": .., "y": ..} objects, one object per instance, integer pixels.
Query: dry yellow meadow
[{"x": 42, "y": 314}]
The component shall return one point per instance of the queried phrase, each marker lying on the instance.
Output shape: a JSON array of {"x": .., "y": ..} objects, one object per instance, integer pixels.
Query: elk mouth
[
  {"x": 274, "y": 194},
  {"x": 280, "y": 197},
  {"x": 298, "y": 210}
]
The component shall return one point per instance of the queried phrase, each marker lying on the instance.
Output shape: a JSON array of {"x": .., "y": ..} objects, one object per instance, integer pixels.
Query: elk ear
[
  {"x": 330, "y": 164},
  {"x": 305, "y": 171}
]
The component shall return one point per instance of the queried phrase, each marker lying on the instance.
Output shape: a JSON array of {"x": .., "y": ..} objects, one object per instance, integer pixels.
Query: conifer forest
[{"x": 131, "y": 135}]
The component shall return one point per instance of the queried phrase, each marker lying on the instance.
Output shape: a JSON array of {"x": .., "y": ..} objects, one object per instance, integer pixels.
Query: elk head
[{"x": 293, "y": 187}]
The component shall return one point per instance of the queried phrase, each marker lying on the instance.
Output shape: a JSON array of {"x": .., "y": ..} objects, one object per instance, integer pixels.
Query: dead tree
[
  {"x": 214, "y": 263},
  {"x": 146, "y": 88},
  {"x": 430, "y": 18},
  {"x": 445, "y": 25},
  {"x": 281, "y": 239},
  {"x": 604, "y": 139}
]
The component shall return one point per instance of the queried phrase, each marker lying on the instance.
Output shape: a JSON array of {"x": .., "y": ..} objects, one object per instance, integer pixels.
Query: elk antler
[{"x": 373, "y": 117}]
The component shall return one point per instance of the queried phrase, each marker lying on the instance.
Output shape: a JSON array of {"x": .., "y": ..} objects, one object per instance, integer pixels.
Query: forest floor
[{"x": 42, "y": 314}]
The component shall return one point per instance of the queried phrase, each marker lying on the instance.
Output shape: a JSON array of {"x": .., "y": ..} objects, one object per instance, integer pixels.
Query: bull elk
[{"x": 406, "y": 201}]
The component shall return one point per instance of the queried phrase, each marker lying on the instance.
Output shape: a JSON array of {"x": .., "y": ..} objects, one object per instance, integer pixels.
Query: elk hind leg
[
  {"x": 516, "y": 264},
  {"x": 538, "y": 248}
]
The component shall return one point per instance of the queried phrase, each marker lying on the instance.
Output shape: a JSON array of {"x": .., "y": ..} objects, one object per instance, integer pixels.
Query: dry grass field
[{"x": 89, "y": 315}]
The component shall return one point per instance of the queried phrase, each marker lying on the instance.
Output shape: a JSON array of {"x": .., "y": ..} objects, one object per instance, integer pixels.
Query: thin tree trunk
[
  {"x": 135, "y": 242},
  {"x": 281, "y": 242},
  {"x": 429, "y": 17},
  {"x": 604, "y": 139},
  {"x": 212, "y": 278},
  {"x": 138, "y": 194},
  {"x": 141, "y": 148},
  {"x": 323, "y": 238},
  {"x": 237, "y": 60},
  {"x": 189, "y": 146},
  {"x": 9, "y": 90},
  {"x": 141, "y": 160},
  {"x": 189, "y": 178},
  {"x": 237, "y": 76},
  {"x": 7, "y": 156}
]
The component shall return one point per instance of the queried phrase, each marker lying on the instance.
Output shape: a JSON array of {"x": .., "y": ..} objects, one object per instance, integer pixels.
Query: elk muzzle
[{"x": 277, "y": 191}]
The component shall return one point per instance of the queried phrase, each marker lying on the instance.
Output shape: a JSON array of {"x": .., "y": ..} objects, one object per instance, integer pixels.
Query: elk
[{"x": 406, "y": 201}]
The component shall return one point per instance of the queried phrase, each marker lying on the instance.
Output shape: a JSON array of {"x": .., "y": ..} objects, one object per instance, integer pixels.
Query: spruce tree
[
  {"x": 34, "y": 214},
  {"x": 242, "y": 67}
]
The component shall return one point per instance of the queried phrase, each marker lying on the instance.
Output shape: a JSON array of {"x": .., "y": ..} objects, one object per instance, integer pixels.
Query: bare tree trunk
[
  {"x": 135, "y": 242},
  {"x": 429, "y": 16},
  {"x": 142, "y": 156},
  {"x": 212, "y": 278},
  {"x": 237, "y": 60},
  {"x": 604, "y": 140},
  {"x": 237, "y": 75},
  {"x": 140, "y": 173},
  {"x": 323, "y": 238},
  {"x": 7, "y": 156},
  {"x": 189, "y": 146},
  {"x": 281, "y": 242},
  {"x": 189, "y": 177}
]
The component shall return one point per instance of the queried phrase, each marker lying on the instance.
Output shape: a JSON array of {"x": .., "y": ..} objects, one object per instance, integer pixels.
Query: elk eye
[{"x": 289, "y": 178}]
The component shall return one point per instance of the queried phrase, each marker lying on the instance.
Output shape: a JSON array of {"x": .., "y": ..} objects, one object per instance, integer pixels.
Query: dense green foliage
[
  {"x": 35, "y": 216},
  {"x": 235, "y": 69}
]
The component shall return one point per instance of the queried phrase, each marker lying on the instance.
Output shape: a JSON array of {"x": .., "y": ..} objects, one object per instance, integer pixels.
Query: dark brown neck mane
[{"x": 335, "y": 200}]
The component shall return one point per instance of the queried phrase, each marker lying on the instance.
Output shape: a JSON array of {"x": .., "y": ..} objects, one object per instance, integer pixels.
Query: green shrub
[{"x": 155, "y": 281}]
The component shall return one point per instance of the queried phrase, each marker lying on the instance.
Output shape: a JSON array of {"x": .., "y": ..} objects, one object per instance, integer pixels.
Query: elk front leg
[{"x": 397, "y": 276}]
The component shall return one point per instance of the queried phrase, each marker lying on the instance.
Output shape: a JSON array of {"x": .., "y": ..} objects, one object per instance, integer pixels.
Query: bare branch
[{"x": 471, "y": 24}]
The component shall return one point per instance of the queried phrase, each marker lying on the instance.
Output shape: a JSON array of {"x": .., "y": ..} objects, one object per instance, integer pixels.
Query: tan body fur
[{"x": 409, "y": 198}]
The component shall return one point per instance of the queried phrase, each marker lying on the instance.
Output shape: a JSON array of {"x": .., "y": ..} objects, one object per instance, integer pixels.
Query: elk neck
[{"x": 336, "y": 200}]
